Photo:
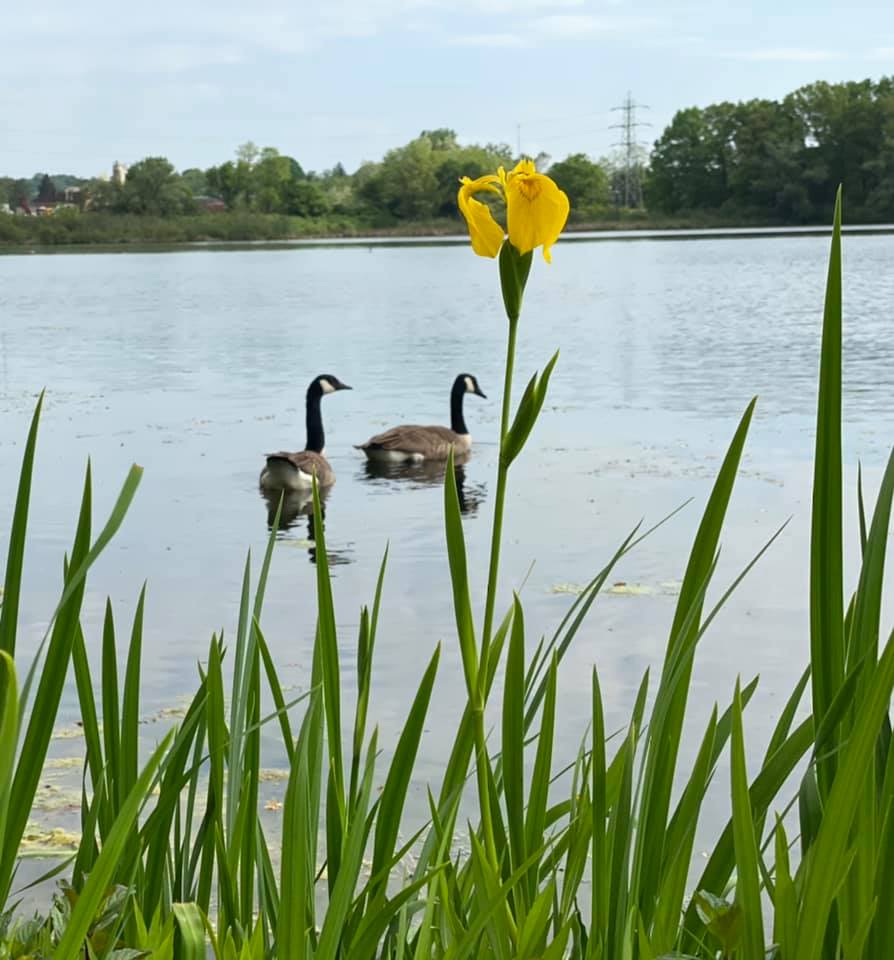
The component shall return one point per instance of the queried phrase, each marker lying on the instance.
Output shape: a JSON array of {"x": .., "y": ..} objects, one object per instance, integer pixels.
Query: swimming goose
[
  {"x": 294, "y": 471},
  {"x": 411, "y": 442}
]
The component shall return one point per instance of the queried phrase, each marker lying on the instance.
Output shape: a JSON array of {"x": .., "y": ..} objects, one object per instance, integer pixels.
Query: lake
[{"x": 194, "y": 363}]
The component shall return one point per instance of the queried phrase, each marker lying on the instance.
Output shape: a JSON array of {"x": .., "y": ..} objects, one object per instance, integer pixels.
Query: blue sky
[{"x": 83, "y": 84}]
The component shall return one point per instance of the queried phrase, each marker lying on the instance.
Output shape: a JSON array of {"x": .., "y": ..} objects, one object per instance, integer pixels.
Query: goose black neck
[
  {"x": 457, "y": 422},
  {"x": 316, "y": 439}
]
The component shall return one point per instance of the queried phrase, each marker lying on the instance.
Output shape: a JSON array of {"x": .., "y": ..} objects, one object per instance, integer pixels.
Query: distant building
[
  {"x": 72, "y": 195},
  {"x": 210, "y": 204},
  {"x": 5, "y": 208},
  {"x": 119, "y": 173}
]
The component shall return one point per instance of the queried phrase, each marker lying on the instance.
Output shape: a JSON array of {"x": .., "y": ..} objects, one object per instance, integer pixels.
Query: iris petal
[
  {"x": 485, "y": 233},
  {"x": 536, "y": 209}
]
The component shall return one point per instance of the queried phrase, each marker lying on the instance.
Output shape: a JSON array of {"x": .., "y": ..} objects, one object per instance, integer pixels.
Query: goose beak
[
  {"x": 344, "y": 386},
  {"x": 480, "y": 393}
]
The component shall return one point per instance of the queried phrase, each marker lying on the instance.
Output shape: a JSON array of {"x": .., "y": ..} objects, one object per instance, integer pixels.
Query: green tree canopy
[
  {"x": 585, "y": 181},
  {"x": 152, "y": 186},
  {"x": 781, "y": 160}
]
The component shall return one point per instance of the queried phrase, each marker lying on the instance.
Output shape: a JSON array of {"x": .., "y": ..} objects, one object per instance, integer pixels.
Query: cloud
[
  {"x": 577, "y": 24},
  {"x": 505, "y": 40},
  {"x": 785, "y": 55}
]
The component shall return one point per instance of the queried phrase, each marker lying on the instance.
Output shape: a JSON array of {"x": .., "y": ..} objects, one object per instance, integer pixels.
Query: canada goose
[
  {"x": 411, "y": 442},
  {"x": 294, "y": 471}
]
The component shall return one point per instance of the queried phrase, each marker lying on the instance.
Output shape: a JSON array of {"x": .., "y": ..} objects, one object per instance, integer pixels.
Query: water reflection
[
  {"x": 427, "y": 473},
  {"x": 295, "y": 505}
]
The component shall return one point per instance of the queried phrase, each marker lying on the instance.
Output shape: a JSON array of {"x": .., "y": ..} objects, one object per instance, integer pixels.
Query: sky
[{"x": 86, "y": 83}]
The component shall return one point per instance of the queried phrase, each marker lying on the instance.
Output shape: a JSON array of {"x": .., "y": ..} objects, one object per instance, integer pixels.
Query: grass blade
[
  {"x": 748, "y": 894},
  {"x": 15, "y": 556},
  {"x": 826, "y": 541}
]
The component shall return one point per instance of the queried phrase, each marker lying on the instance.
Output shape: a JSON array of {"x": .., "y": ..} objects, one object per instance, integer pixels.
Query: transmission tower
[{"x": 633, "y": 190}]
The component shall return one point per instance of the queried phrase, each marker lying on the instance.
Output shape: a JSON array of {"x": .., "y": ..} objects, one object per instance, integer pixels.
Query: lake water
[{"x": 194, "y": 363}]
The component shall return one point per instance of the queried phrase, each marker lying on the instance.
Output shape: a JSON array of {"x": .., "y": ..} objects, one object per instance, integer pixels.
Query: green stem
[
  {"x": 478, "y": 694},
  {"x": 502, "y": 472}
]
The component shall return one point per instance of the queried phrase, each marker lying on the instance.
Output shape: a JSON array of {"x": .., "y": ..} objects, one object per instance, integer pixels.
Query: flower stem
[
  {"x": 479, "y": 695},
  {"x": 502, "y": 473}
]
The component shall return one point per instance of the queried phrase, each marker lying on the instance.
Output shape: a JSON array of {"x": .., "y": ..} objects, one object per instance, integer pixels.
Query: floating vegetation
[
  {"x": 273, "y": 775},
  {"x": 72, "y": 732},
  {"x": 64, "y": 763},
  {"x": 53, "y": 799},
  {"x": 166, "y": 713},
  {"x": 41, "y": 841},
  {"x": 665, "y": 588}
]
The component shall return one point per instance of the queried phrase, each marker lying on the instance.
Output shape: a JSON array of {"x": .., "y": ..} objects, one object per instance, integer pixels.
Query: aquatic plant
[{"x": 589, "y": 861}]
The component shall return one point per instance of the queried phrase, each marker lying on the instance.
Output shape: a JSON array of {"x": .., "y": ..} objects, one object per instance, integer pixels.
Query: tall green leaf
[
  {"x": 15, "y": 557},
  {"x": 826, "y": 541}
]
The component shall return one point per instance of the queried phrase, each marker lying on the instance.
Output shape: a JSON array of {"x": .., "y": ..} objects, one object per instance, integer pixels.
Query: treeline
[
  {"x": 762, "y": 161},
  {"x": 415, "y": 184},
  {"x": 782, "y": 160}
]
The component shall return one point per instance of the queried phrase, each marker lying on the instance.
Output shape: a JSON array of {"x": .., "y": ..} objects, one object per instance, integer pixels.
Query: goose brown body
[{"x": 414, "y": 442}]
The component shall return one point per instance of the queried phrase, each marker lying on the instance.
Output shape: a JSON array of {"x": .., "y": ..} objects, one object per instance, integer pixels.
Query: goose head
[
  {"x": 325, "y": 383},
  {"x": 469, "y": 384}
]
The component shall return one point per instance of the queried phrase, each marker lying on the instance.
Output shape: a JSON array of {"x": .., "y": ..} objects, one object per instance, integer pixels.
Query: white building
[{"x": 119, "y": 173}]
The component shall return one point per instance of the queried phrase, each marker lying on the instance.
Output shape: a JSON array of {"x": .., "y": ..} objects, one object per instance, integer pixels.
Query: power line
[{"x": 633, "y": 191}]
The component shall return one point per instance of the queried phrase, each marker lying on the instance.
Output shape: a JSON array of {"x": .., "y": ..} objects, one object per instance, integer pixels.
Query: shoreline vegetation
[
  {"x": 103, "y": 231},
  {"x": 758, "y": 163}
]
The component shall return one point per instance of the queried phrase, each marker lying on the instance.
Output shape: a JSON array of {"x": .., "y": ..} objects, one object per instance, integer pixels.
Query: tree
[
  {"x": 585, "y": 182},
  {"x": 196, "y": 181},
  {"x": 271, "y": 177},
  {"x": 690, "y": 161},
  {"x": 420, "y": 180},
  {"x": 765, "y": 174},
  {"x": 232, "y": 182},
  {"x": 405, "y": 183},
  {"x": 441, "y": 139},
  {"x": 247, "y": 152},
  {"x": 46, "y": 192},
  {"x": 102, "y": 195},
  {"x": 153, "y": 187},
  {"x": 781, "y": 160},
  {"x": 305, "y": 198}
]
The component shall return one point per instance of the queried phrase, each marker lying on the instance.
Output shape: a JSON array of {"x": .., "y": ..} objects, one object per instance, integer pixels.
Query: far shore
[{"x": 147, "y": 234}]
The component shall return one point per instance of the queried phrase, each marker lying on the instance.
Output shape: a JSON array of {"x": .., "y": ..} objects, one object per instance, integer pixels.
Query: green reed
[{"x": 586, "y": 861}]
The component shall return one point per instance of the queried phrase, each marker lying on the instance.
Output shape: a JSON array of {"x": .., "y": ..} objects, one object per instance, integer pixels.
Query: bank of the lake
[{"x": 69, "y": 228}]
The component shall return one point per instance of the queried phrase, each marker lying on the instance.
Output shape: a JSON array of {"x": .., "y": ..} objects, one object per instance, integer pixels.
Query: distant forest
[{"x": 761, "y": 161}]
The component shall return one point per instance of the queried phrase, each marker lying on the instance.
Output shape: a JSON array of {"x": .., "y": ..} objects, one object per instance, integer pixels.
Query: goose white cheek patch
[
  {"x": 326, "y": 386},
  {"x": 470, "y": 387}
]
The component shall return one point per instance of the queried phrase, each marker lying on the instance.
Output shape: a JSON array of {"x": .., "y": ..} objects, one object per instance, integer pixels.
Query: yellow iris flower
[{"x": 536, "y": 210}]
